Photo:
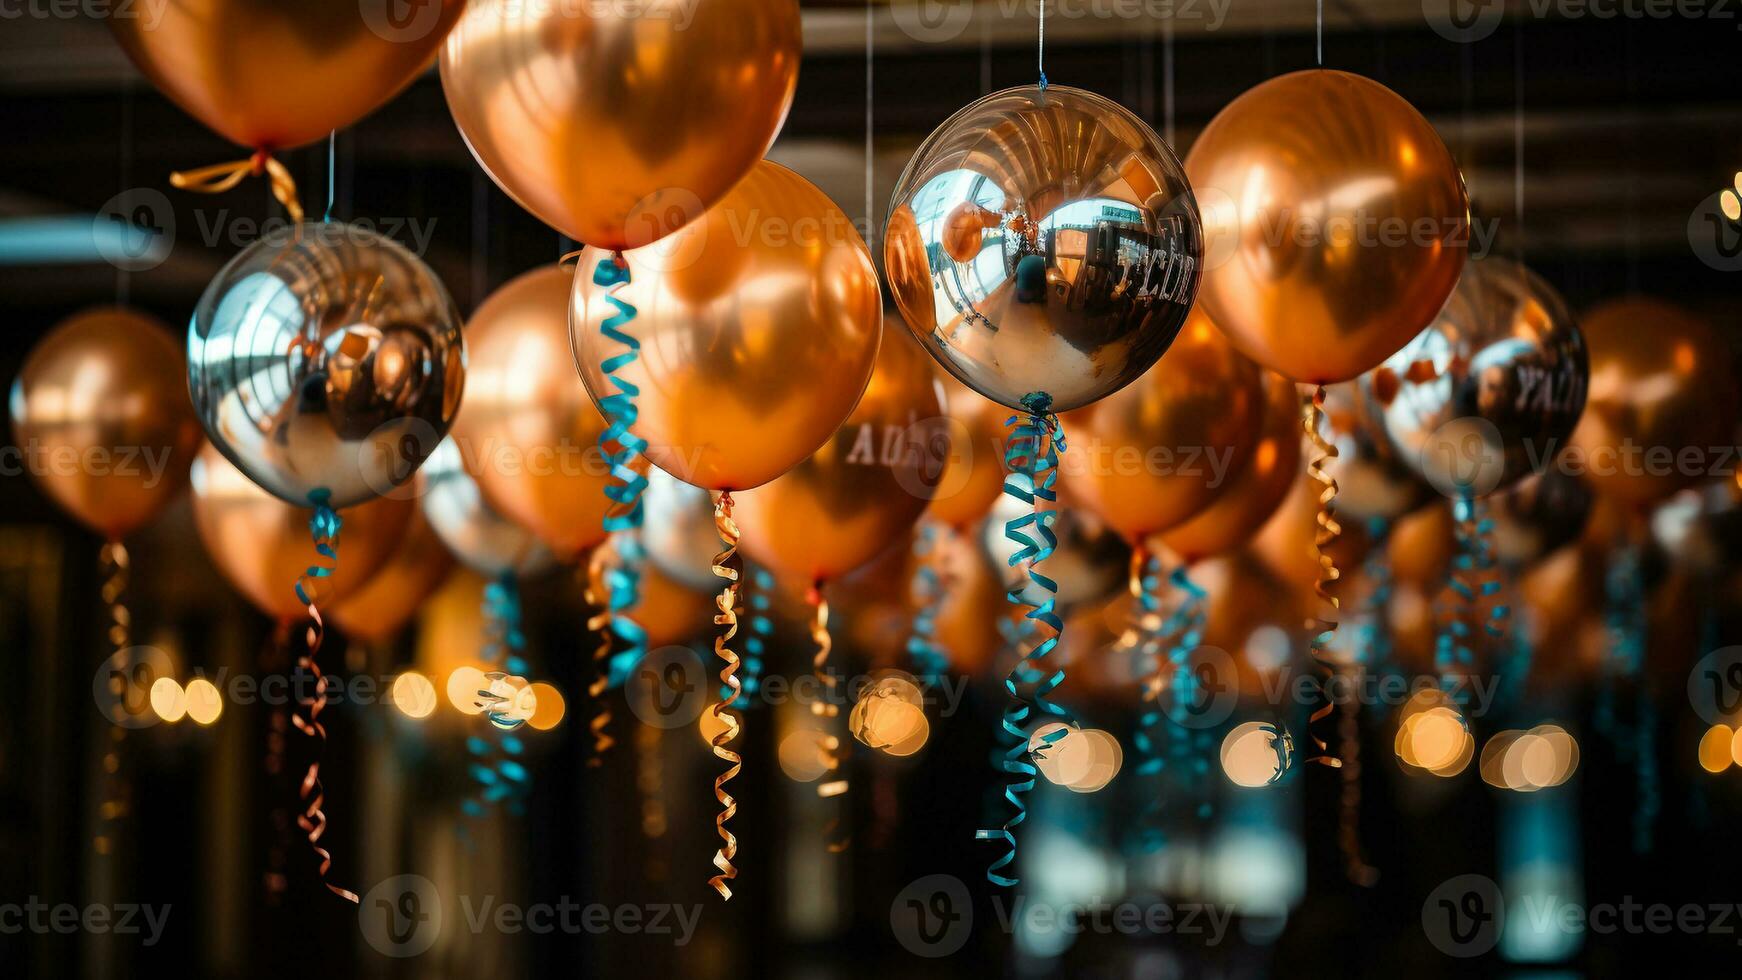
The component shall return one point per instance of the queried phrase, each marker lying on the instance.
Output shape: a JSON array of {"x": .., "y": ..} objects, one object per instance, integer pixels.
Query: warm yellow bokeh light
[
  {"x": 1106, "y": 759},
  {"x": 1249, "y": 756},
  {"x": 550, "y": 708},
  {"x": 1731, "y": 205},
  {"x": 710, "y": 726},
  {"x": 463, "y": 687},
  {"x": 1736, "y": 747},
  {"x": 414, "y": 695},
  {"x": 1715, "y": 753},
  {"x": 204, "y": 703},
  {"x": 168, "y": 700},
  {"x": 804, "y": 755}
]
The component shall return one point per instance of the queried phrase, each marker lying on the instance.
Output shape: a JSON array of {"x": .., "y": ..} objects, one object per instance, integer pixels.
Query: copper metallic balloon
[
  {"x": 326, "y": 358},
  {"x": 1160, "y": 451},
  {"x": 1253, "y": 493},
  {"x": 1285, "y": 542},
  {"x": 1661, "y": 386},
  {"x": 262, "y": 544},
  {"x": 381, "y": 606},
  {"x": 1372, "y": 483},
  {"x": 1492, "y": 389},
  {"x": 529, "y": 434},
  {"x": 678, "y": 532},
  {"x": 741, "y": 376},
  {"x": 973, "y": 455},
  {"x": 277, "y": 75},
  {"x": 1335, "y": 223},
  {"x": 1044, "y": 242},
  {"x": 617, "y": 124},
  {"x": 863, "y": 490},
  {"x": 102, "y": 420},
  {"x": 1090, "y": 563},
  {"x": 482, "y": 539}
]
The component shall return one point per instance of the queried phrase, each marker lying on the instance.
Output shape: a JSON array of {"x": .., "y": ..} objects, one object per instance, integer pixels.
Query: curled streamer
[
  {"x": 1188, "y": 748},
  {"x": 620, "y": 445},
  {"x": 1373, "y": 637},
  {"x": 324, "y": 527},
  {"x": 1323, "y": 627},
  {"x": 221, "y": 177},
  {"x": 726, "y": 567},
  {"x": 1142, "y": 638},
  {"x": 1031, "y": 459},
  {"x": 930, "y": 662},
  {"x": 496, "y": 766},
  {"x": 114, "y": 566},
  {"x": 1624, "y": 621},
  {"x": 837, "y": 833},
  {"x": 754, "y": 603},
  {"x": 1471, "y": 582}
]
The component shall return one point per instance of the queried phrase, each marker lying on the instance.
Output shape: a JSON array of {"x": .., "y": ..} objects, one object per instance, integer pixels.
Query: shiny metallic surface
[
  {"x": 678, "y": 530},
  {"x": 1044, "y": 242},
  {"x": 1492, "y": 389},
  {"x": 326, "y": 358},
  {"x": 1372, "y": 482},
  {"x": 479, "y": 537}
]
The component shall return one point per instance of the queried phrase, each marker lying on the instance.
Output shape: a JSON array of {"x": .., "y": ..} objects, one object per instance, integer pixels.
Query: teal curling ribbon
[
  {"x": 1471, "y": 582},
  {"x": 1373, "y": 637},
  {"x": 1148, "y": 663},
  {"x": 930, "y": 661},
  {"x": 323, "y": 527},
  {"x": 756, "y": 640},
  {"x": 1188, "y": 746},
  {"x": 496, "y": 766},
  {"x": 623, "y": 581},
  {"x": 1624, "y": 659},
  {"x": 1031, "y": 459}
]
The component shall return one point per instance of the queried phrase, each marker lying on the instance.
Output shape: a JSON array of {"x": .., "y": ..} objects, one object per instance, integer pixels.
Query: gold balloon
[
  {"x": 973, "y": 469},
  {"x": 1285, "y": 542},
  {"x": 101, "y": 414},
  {"x": 273, "y": 76},
  {"x": 1155, "y": 453},
  {"x": 860, "y": 493},
  {"x": 1661, "y": 385},
  {"x": 1335, "y": 223},
  {"x": 741, "y": 378},
  {"x": 262, "y": 544},
  {"x": 381, "y": 606},
  {"x": 1257, "y": 490},
  {"x": 617, "y": 124},
  {"x": 528, "y": 433}
]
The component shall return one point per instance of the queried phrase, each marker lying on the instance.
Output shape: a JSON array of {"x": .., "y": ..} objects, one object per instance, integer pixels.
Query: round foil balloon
[
  {"x": 1335, "y": 223},
  {"x": 529, "y": 434},
  {"x": 758, "y": 326},
  {"x": 101, "y": 420},
  {"x": 677, "y": 531},
  {"x": 860, "y": 493},
  {"x": 1491, "y": 390},
  {"x": 617, "y": 124},
  {"x": 1256, "y": 490},
  {"x": 972, "y": 453},
  {"x": 1158, "y": 452},
  {"x": 378, "y": 609},
  {"x": 483, "y": 540},
  {"x": 1372, "y": 483},
  {"x": 273, "y": 76},
  {"x": 1044, "y": 245},
  {"x": 261, "y": 544},
  {"x": 1661, "y": 387},
  {"x": 326, "y": 360}
]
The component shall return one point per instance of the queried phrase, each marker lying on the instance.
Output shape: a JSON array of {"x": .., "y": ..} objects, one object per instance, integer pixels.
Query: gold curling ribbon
[
  {"x": 220, "y": 177},
  {"x": 117, "y": 787},
  {"x": 1328, "y": 532},
  {"x": 601, "y": 622},
  {"x": 838, "y": 834},
  {"x": 1349, "y": 811},
  {"x": 726, "y": 567}
]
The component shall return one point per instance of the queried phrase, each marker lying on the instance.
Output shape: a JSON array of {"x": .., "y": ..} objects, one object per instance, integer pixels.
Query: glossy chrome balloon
[
  {"x": 678, "y": 531},
  {"x": 479, "y": 537},
  {"x": 1492, "y": 389},
  {"x": 1372, "y": 483},
  {"x": 326, "y": 358},
  {"x": 1044, "y": 241}
]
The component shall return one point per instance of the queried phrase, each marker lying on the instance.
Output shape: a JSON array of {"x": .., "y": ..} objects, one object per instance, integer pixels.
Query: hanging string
[
  {"x": 221, "y": 177},
  {"x": 930, "y": 661},
  {"x": 726, "y": 567},
  {"x": 1323, "y": 626},
  {"x": 870, "y": 99},
  {"x": 332, "y": 174},
  {"x": 1319, "y": 21},
  {"x": 1040, "y": 47},
  {"x": 838, "y": 835},
  {"x": 123, "y": 275},
  {"x": 1031, "y": 459},
  {"x": 622, "y": 580},
  {"x": 324, "y": 527},
  {"x": 114, "y": 566},
  {"x": 754, "y": 603}
]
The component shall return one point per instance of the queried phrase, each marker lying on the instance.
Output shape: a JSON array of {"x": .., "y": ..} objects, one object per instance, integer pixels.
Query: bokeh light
[
  {"x": 804, "y": 755},
  {"x": 463, "y": 687},
  {"x": 204, "y": 703},
  {"x": 1249, "y": 755},
  {"x": 414, "y": 695},
  {"x": 168, "y": 700},
  {"x": 1715, "y": 746},
  {"x": 549, "y": 709}
]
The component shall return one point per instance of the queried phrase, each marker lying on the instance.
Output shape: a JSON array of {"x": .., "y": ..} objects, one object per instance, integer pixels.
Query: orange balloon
[
  {"x": 668, "y": 612},
  {"x": 1253, "y": 494},
  {"x": 528, "y": 432},
  {"x": 382, "y": 605},
  {"x": 273, "y": 76},
  {"x": 262, "y": 544},
  {"x": 860, "y": 493},
  {"x": 101, "y": 414},
  {"x": 1158, "y": 451},
  {"x": 740, "y": 382},
  {"x": 1285, "y": 542},
  {"x": 619, "y": 124},
  {"x": 1661, "y": 386},
  {"x": 973, "y": 469},
  {"x": 1335, "y": 223}
]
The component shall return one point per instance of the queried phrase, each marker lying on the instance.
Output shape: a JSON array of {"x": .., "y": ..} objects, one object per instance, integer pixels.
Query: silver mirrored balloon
[
  {"x": 678, "y": 531},
  {"x": 479, "y": 537},
  {"x": 1044, "y": 242},
  {"x": 1372, "y": 483},
  {"x": 1492, "y": 389},
  {"x": 1090, "y": 563},
  {"x": 326, "y": 358}
]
